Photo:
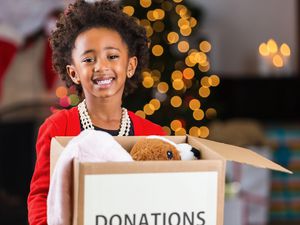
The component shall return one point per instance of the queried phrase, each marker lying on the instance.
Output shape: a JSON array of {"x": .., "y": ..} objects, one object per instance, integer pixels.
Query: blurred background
[{"x": 226, "y": 70}]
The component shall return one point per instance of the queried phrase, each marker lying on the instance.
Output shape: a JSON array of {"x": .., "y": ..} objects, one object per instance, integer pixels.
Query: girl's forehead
[{"x": 101, "y": 37}]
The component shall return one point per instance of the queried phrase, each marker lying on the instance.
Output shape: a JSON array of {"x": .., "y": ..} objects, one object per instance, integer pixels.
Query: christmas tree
[{"x": 177, "y": 83}]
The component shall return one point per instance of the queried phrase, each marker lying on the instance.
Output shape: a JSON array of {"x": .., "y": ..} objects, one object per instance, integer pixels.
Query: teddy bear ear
[
  {"x": 196, "y": 152},
  {"x": 187, "y": 152}
]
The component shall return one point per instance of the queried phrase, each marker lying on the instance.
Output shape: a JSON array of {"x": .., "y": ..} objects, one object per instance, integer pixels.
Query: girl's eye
[
  {"x": 88, "y": 60},
  {"x": 113, "y": 56}
]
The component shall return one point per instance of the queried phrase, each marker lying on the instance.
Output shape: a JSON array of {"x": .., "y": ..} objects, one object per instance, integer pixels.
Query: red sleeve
[
  {"x": 143, "y": 127},
  {"x": 37, "y": 199}
]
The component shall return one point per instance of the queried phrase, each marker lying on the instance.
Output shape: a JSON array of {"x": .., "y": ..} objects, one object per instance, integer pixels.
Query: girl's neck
[{"x": 107, "y": 110}]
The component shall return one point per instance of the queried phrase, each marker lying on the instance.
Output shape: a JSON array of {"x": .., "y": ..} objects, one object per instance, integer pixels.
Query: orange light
[
  {"x": 156, "y": 103},
  {"x": 183, "y": 46},
  {"x": 157, "y": 50},
  {"x": 198, "y": 114},
  {"x": 285, "y": 50},
  {"x": 194, "y": 104},
  {"x": 204, "y": 92},
  {"x": 162, "y": 87},
  {"x": 204, "y": 132},
  {"x": 180, "y": 132},
  {"x": 167, "y": 130},
  {"x": 214, "y": 80},
  {"x": 205, "y": 46},
  {"x": 175, "y": 124},
  {"x": 263, "y": 49},
  {"x": 176, "y": 101},
  {"x": 148, "y": 109},
  {"x": 277, "y": 61},
  {"x": 129, "y": 10},
  {"x": 178, "y": 84},
  {"x": 148, "y": 82},
  {"x": 172, "y": 37},
  {"x": 61, "y": 92},
  {"x": 188, "y": 73},
  {"x": 145, "y": 3},
  {"x": 194, "y": 131},
  {"x": 141, "y": 113}
]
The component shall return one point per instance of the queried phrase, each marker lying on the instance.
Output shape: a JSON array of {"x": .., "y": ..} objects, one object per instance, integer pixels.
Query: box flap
[
  {"x": 57, "y": 146},
  {"x": 238, "y": 154}
]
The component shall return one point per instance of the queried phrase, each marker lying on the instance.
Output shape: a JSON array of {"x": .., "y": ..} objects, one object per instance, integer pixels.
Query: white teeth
[{"x": 102, "y": 82}]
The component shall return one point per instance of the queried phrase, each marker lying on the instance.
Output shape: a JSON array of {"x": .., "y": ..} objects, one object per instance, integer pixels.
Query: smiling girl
[{"x": 101, "y": 51}]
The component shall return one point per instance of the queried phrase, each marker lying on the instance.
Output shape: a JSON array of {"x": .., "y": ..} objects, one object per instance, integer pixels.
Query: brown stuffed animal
[
  {"x": 154, "y": 149},
  {"x": 160, "y": 148}
]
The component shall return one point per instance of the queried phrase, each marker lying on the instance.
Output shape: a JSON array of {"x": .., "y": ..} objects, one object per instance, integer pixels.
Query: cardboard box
[{"x": 156, "y": 192}]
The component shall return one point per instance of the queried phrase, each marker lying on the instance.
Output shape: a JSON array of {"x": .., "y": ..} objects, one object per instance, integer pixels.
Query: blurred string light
[
  {"x": 67, "y": 97},
  {"x": 273, "y": 54},
  {"x": 187, "y": 73}
]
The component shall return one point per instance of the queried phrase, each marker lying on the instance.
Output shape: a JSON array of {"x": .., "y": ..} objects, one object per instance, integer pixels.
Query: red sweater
[{"x": 64, "y": 123}]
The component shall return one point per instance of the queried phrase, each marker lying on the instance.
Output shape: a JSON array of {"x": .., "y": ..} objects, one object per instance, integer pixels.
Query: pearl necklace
[{"x": 86, "y": 122}]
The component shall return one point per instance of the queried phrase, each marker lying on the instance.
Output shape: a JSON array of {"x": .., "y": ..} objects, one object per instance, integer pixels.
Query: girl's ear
[
  {"x": 132, "y": 64},
  {"x": 73, "y": 74}
]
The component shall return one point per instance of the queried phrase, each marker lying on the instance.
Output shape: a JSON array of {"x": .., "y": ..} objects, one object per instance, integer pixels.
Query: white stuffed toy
[{"x": 88, "y": 146}]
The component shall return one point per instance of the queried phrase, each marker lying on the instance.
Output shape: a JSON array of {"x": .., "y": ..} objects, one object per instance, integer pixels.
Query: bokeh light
[
  {"x": 180, "y": 132},
  {"x": 198, "y": 114},
  {"x": 178, "y": 84},
  {"x": 65, "y": 101},
  {"x": 272, "y": 46},
  {"x": 188, "y": 73},
  {"x": 263, "y": 49},
  {"x": 163, "y": 87},
  {"x": 158, "y": 26},
  {"x": 173, "y": 37},
  {"x": 183, "y": 46},
  {"x": 277, "y": 61},
  {"x": 204, "y": 132},
  {"x": 148, "y": 82},
  {"x": 157, "y": 50},
  {"x": 141, "y": 114},
  {"x": 194, "y": 104},
  {"x": 214, "y": 80},
  {"x": 129, "y": 10},
  {"x": 74, "y": 99},
  {"x": 155, "y": 103},
  {"x": 194, "y": 131},
  {"x": 285, "y": 50},
  {"x": 148, "y": 109},
  {"x": 61, "y": 92},
  {"x": 175, "y": 125},
  {"x": 145, "y": 3},
  {"x": 176, "y": 101},
  {"x": 211, "y": 113},
  {"x": 167, "y": 130},
  {"x": 205, "y": 46},
  {"x": 177, "y": 74},
  {"x": 204, "y": 92}
]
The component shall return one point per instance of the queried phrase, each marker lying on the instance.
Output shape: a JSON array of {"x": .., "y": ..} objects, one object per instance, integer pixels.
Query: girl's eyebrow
[
  {"x": 114, "y": 48},
  {"x": 106, "y": 48},
  {"x": 87, "y": 51}
]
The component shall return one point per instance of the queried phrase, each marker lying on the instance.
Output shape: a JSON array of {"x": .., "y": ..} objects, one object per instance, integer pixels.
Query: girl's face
[{"x": 100, "y": 63}]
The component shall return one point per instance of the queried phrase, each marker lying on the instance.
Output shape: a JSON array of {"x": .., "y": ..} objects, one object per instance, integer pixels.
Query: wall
[{"x": 237, "y": 27}]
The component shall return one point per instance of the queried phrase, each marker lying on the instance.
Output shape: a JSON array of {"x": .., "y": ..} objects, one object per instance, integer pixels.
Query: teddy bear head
[{"x": 154, "y": 149}]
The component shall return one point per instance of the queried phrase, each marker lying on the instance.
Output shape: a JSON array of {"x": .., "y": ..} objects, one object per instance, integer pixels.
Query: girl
[{"x": 101, "y": 50}]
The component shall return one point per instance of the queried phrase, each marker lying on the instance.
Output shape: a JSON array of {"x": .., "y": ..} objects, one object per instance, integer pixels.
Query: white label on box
[{"x": 151, "y": 199}]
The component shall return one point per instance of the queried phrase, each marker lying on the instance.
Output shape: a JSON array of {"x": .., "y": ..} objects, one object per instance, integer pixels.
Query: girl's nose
[{"x": 101, "y": 66}]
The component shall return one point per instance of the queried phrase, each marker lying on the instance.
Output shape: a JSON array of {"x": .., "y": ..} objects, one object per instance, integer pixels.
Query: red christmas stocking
[{"x": 9, "y": 42}]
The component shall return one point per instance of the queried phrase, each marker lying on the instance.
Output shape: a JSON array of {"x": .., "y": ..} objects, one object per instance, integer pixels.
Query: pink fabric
[{"x": 88, "y": 146}]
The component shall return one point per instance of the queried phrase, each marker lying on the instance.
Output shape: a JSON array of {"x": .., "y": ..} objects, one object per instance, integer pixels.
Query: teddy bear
[{"x": 160, "y": 148}]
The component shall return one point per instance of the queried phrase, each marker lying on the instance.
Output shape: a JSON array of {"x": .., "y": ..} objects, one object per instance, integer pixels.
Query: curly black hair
[{"x": 82, "y": 16}]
